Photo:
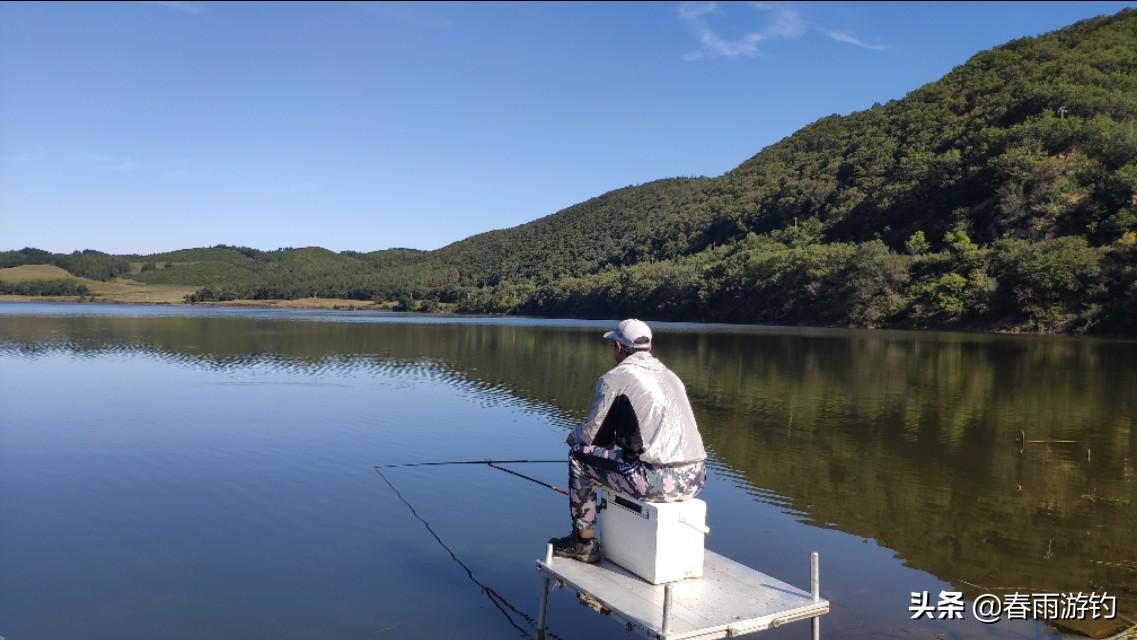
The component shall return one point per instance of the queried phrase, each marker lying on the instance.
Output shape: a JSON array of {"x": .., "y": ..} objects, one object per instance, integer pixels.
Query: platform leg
[
  {"x": 815, "y": 590},
  {"x": 666, "y": 609},
  {"x": 541, "y": 612}
]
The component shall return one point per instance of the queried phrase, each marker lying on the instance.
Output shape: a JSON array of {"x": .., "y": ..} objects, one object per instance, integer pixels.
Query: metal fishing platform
[{"x": 728, "y": 601}]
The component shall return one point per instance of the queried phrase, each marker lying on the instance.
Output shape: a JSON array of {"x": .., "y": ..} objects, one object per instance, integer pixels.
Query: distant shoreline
[
  {"x": 300, "y": 303},
  {"x": 339, "y": 304}
]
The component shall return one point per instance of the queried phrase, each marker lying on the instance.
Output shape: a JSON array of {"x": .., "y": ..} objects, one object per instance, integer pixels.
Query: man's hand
[{"x": 570, "y": 441}]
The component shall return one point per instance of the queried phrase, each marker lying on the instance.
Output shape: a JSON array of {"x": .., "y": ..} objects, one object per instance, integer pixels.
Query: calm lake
[{"x": 190, "y": 473}]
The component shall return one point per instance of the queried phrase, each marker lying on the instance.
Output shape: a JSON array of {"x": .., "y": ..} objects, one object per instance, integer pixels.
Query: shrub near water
[{"x": 1053, "y": 282}]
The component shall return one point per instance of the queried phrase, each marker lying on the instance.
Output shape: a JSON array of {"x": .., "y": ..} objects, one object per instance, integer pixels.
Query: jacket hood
[{"x": 643, "y": 360}]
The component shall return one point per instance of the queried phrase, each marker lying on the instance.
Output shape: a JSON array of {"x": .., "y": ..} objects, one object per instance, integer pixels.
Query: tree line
[{"x": 45, "y": 288}]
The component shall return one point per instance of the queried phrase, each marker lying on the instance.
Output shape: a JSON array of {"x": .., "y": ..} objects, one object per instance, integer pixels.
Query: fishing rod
[
  {"x": 493, "y": 464},
  {"x": 450, "y": 462},
  {"x": 525, "y": 477}
]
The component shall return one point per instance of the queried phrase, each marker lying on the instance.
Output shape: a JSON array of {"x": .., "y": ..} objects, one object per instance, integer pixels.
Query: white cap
[{"x": 631, "y": 333}]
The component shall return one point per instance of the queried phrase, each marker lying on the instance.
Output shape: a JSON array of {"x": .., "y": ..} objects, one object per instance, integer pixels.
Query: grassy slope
[
  {"x": 32, "y": 272},
  {"x": 117, "y": 290}
]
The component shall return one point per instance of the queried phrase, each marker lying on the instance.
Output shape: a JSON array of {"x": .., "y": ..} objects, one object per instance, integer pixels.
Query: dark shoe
[{"x": 576, "y": 548}]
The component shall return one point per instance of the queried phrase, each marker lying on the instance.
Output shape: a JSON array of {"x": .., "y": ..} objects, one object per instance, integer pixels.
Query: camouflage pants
[{"x": 590, "y": 466}]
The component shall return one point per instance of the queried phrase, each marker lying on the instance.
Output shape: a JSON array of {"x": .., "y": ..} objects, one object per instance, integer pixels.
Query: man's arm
[{"x": 602, "y": 398}]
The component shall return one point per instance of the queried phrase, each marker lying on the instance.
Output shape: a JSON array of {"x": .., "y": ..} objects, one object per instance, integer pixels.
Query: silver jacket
[{"x": 666, "y": 422}]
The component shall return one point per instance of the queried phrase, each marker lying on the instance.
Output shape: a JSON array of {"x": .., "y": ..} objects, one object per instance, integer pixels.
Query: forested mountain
[{"x": 1001, "y": 196}]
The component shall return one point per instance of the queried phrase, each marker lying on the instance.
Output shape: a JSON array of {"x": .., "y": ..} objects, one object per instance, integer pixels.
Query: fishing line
[{"x": 496, "y": 598}]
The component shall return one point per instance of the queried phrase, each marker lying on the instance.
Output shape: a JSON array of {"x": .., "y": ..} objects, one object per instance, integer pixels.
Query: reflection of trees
[{"x": 910, "y": 439}]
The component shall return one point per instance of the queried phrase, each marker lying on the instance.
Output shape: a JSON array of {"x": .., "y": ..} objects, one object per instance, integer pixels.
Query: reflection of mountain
[{"x": 909, "y": 439}]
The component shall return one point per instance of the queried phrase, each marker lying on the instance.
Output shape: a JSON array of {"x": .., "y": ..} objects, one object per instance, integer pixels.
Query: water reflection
[{"x": 993, "y": 463}]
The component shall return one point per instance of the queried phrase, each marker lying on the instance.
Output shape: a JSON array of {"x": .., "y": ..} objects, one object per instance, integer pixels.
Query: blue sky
[{"x": 150, "y": 126}]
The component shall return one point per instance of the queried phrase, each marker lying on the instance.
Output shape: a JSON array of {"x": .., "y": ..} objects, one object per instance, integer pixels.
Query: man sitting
[{"x": 640, "y": 439}]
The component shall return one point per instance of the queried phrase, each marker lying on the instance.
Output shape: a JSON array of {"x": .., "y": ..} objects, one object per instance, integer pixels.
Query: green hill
[
  {"x": 224, "y": 267},
  {"x": 1001, "y": 196}
]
